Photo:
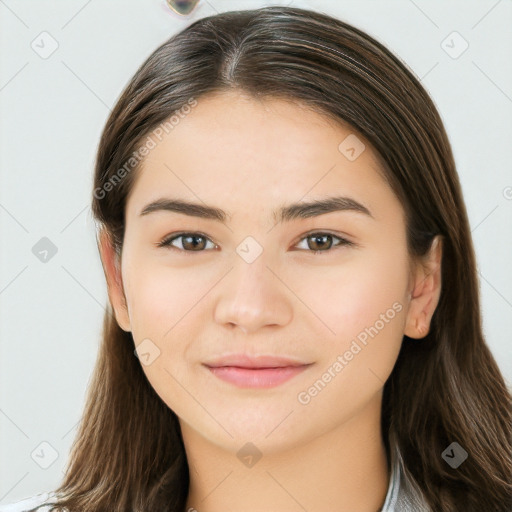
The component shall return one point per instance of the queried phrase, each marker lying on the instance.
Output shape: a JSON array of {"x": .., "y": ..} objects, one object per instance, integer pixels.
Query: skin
[{"x": 249, "y": 157}]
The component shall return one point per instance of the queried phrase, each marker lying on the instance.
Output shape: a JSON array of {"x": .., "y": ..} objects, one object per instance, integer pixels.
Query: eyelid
[
  {"x": 334, "y": 234},
  {"x": 168, "y": 239},
  {"x": 343, "y": 240}
]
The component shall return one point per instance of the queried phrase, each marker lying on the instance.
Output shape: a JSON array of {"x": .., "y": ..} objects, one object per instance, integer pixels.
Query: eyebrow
[{"x": 301, "y": 210}]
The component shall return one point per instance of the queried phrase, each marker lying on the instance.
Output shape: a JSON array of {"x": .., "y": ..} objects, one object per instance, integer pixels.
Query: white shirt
[{"x": 402, "y": 495}]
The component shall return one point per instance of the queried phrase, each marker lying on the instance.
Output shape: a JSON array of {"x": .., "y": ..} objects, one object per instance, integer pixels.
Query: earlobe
[
  {"x": 426, "y": 292},
  {"x": 112, "y": 269}
]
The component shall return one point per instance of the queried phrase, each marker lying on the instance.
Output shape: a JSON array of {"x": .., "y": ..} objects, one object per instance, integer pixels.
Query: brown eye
[
  {"x": 319, "y": 242},
  {"x": 323, "y": 242},
  {"x": 190, "y": 242},
  {"x": 193, "y": 242},
  {"x": 197, "y": 242}
]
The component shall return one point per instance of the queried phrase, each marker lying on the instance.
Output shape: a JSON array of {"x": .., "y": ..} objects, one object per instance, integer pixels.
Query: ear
[
  {"x": 425, "y": 293},
  {"x": 111, "y": 262}
]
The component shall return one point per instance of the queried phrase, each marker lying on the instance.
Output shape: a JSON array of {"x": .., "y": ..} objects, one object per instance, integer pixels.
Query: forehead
[{"x": 239, "y": 152}]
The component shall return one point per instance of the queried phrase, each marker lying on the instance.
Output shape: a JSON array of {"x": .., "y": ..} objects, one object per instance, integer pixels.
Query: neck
[{"x": 342, "y": 470}]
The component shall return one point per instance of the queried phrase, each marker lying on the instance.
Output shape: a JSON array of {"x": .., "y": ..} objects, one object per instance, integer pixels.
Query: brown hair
[{"x": 129, "y": 453}]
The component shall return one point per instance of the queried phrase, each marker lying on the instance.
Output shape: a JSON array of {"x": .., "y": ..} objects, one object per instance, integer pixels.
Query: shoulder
[{"x": 27, "y": 504}]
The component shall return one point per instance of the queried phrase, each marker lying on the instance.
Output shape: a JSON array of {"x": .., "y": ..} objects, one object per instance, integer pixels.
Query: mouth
[{"x": 255, "y": 372}]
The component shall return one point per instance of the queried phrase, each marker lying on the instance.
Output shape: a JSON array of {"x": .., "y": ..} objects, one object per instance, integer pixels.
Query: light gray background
[{"x": 52, "y": 113}]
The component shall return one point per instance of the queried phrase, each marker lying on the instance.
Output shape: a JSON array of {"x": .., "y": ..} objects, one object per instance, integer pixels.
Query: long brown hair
[{"x": 128, "y": 453}]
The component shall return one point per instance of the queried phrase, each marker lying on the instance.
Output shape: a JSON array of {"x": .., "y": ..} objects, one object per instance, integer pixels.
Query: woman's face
[{"x": 252, "y": 284}]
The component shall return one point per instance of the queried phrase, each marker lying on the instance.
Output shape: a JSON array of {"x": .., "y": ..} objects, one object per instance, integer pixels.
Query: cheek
[
  {"x": 169, "y": 307},
  {"x": 159, "y": 299},
  {"x": 363, "y": 304},
  {"x": 164, "y": 307},
  {"x": 352, "y": 296}
]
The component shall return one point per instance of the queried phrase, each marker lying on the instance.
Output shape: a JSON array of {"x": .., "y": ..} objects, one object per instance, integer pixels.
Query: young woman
[{"x": 294, "y": 319}]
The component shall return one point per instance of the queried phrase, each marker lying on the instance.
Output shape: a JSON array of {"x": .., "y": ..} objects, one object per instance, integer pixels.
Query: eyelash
[{"x": 166, "y": 242}]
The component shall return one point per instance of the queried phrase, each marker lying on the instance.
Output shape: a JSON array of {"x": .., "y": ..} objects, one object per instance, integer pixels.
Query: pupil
[
  {"x": 194, "y": 242},
  {"x": 319, "y": 237}
]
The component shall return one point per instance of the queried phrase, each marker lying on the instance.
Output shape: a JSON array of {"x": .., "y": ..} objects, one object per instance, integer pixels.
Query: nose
[{"x": 253, "y": 296}]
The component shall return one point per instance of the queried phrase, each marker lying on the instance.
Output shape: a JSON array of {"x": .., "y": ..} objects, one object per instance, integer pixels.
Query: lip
[
  {"x": 255, "y": 372},
  {"x": 247, "y": 361}
]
